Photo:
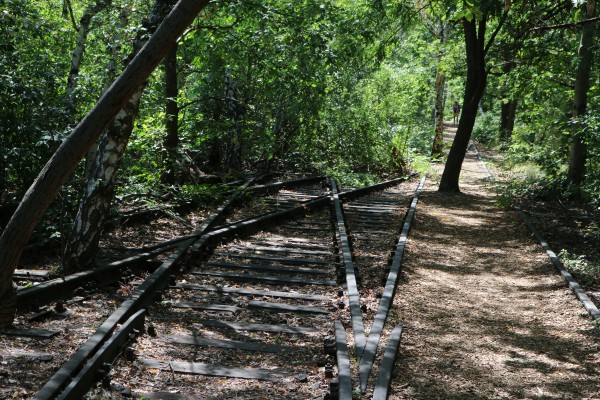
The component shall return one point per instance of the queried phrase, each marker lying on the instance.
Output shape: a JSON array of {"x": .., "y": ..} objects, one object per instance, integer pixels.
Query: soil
[{"x": 485, "y": 314}]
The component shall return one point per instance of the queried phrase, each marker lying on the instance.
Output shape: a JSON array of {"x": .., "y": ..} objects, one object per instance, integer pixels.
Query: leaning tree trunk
[
  {"x": 95, "y": 203},
  {"x": 171, "y": 140},
  {"x": 578, "y": 150},
  {"x": 474, "y": 88},
  {"x": 58, "y": 169}
]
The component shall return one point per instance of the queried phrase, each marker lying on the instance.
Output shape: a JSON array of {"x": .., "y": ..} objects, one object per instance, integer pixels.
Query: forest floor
[{"x": 485, "y": 314}]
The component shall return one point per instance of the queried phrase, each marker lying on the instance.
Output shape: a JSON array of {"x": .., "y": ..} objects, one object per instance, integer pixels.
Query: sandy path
[{"x": 485, "y": 314}]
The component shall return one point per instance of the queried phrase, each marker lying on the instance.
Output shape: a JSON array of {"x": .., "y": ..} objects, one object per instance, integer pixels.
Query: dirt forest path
[{"x": 485, "y": 314}]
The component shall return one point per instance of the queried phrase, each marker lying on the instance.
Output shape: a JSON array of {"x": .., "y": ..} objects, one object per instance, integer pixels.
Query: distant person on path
[{"x": 455, "y": 111}]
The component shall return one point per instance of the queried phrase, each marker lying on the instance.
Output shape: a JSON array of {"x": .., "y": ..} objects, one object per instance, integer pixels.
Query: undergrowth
[{"x": 587, "y": 273}]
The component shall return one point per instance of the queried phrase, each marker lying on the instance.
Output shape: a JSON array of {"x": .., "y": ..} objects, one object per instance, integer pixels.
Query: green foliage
[
  {"x": 202, "y": 194},
  {"x": 486, "y": 128},
  {"x": 539, "y": 188},
  {"x": 32, "y": 119},
  {"x": 586, "y": 272}
]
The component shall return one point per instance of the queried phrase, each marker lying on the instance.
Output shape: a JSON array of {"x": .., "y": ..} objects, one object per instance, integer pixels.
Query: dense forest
[{"x": 358, "y": 90}]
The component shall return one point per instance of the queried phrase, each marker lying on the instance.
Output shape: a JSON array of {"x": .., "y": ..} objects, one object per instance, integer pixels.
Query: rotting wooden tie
[
  {"x": 196, "y": 368},
  {"x": 207, "y": 307},
  {"x": 248, "y": 326},
  {"x": 252, "y": 292},
  {"x": 228, "y": 344},
  {"x": 269, "y": 268},
  {"x": 280, "y": 307},
  {"x": 267, "y": 279}
]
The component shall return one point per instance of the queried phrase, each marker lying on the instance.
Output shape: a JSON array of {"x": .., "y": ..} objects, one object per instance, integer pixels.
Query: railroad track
[{"x": 264, "y": 306}]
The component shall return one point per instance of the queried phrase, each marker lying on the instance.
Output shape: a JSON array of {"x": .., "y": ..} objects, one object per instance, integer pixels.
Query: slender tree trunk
[
  {"x": 171, "y": 116},
  {"x": 77, "y": 57},
  {"x": 474, "y": 89},
  {"x": 58, "y": 169},
  {"x": 233, "y": 154},
  {"x": 95, "y": 203},
  {"x": 438, "y": 139},
  {"x": 114, "y": 51},
  {"x": 440, "y": 85},
  {"x": 578, "y": 150},
  {"x": 507, "y": 120}
]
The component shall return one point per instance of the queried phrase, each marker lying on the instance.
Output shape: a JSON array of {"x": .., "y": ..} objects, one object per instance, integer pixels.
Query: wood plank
[
  {"x": 384, "y": 376},
  {"x": 248, "y": 326},
  {"x": 207, "y": 306},
  {"x": 32, "y": 333},
  {"x": 31, "y": 273},
  {"x": 278, "y": 249},
  {"x": 278, "y": 243},
  {"x": 252, "y": 292},
  {"x": 229, "y": 344},
  {"x": 309, "y": 229},
  {"x": 186, "y": 367},
  {"x": 283, "y": 260},
  {"x": 294, "y": 239},
  {"x": 281, "y": 307},
  {"x": 266, "y": 279},
  {"x": 270, "y": 268},
  {"x": 163, "y": 396},
  {"x": 32, "y": 355}
]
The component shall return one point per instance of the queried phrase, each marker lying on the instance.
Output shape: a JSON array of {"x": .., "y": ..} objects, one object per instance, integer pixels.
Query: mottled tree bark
[
  {"x": 58, "y": 169},
  {"x": 96, "y": 200},
  {"x": 578, "y": 149}
]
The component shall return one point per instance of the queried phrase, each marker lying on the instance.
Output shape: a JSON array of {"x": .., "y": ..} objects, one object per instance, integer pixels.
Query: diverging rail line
[{"x": 274, "y": 294}]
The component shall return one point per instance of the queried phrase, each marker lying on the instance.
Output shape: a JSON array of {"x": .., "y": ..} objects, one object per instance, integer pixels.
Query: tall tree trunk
[
  {"x": 507, "y": 120},
  {"x": 58, "y": 169},
  {"x": 171, "y": 116},
  {"x": 77, "y": 57},
  {"x": 95, "y": 203},
  {"x": 578, "y": 150},
  {"x": 474, "y": 88},
  {"x": 440, "y": 85}
]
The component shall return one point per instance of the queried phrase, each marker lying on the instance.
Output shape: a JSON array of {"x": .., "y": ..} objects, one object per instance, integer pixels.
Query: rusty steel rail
[
  {"x": 367, "y": 356},
  {"x": 353, "y": 295},
  {"x": 143, "y": 294}
]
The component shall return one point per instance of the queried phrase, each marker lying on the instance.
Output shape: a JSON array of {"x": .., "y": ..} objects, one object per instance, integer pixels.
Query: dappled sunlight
[{"x": 485, "y": 315}]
